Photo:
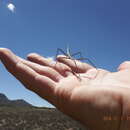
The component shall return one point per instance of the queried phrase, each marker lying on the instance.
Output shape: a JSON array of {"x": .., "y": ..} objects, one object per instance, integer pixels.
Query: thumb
[{"x": 124, "y": 65}]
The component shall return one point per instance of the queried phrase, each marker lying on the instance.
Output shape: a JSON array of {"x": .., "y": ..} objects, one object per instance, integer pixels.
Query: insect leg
[
  {"x": 57, "y": 53},
  {"x": 77, "y": 53},
  {"x": 91, "y": 64},
  {"x": 88, "y": 61},
  {"x": 75, "y": 71}
]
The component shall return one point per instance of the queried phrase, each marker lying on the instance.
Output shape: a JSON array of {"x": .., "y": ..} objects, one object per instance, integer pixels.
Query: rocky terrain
[{"x": 19, "y": 115}]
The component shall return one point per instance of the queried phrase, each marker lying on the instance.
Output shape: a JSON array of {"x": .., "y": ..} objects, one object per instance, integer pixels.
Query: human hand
[{"x": 98, "y": 93}]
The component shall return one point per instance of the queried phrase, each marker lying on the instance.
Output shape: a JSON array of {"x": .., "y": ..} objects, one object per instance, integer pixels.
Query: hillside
[
  {"x": 19, "y": 117},
  {"x": 4, "y": 101}
]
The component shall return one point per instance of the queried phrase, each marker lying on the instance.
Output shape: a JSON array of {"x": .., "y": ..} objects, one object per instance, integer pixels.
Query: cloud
[
  {"x": 11, "y": 7},
  {"x": 51, "y": 58}
]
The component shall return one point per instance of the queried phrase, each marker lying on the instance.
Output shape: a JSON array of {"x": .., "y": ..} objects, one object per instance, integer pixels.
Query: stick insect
[{"x": 69, "y": 55}]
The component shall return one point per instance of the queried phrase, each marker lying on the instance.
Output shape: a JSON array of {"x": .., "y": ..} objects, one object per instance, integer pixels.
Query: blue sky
[{"x": 100, "y": 29}]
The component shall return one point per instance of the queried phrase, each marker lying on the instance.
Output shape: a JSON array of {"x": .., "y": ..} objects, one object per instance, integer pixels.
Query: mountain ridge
[{"x": 4, "y": 100}]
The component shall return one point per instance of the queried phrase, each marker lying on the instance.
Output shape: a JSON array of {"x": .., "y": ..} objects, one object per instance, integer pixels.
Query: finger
[
  {"x": 43, "y": 70},
  {"x": 60, "y": 67},
  {"x": 42, "y": 85},
  {"x": 124, "y": 65},
  {"x": 75, "y": 65}
]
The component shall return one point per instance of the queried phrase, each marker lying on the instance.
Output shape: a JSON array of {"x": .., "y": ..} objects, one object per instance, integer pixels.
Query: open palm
[{"x": 83, "y": 92}]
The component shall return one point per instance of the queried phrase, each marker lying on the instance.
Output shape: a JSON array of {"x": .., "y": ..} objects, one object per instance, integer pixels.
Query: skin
[{"x": 89, "y": 96}]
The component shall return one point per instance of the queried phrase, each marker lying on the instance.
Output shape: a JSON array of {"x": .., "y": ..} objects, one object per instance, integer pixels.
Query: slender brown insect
[{"x": 69, "y": 55}]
